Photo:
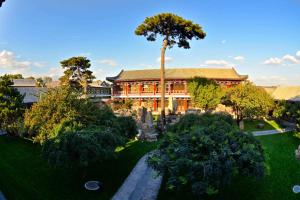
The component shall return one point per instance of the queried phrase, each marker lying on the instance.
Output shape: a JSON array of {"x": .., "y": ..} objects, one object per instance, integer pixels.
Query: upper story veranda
[{"x": 146, "y": 83}]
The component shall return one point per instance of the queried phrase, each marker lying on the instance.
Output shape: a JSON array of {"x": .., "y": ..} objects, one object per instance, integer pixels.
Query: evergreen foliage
[
  {"x": 11, "y": 106},
  {"x": 201, "y": 154},
  {"x": 249, "y": 101},
  {"x": 205, "y": 94}
]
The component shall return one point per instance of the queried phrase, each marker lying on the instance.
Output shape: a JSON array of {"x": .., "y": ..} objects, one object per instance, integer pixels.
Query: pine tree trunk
[{"x": 162, "y": 83}]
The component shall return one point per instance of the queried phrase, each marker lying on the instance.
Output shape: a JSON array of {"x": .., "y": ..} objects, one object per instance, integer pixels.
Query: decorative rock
[{"x": 92, "y": 185}]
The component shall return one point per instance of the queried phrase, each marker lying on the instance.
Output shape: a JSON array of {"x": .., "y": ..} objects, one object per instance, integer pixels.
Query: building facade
[{"x": 143, "y": 86}]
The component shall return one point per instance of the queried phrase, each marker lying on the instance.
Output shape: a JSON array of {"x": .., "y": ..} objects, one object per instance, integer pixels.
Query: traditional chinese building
[{"x": 143, "y": 86}]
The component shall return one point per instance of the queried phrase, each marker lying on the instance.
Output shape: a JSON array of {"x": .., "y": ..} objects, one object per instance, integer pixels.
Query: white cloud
[
  {"x": 219, "y": 63},
  {"x": 108, "y": 62},
  {"x": 167, "y": 59},
  {"x": 9, "y": 61},
  {"x": 284, "y": 61},
  {"x": 239, "y": 58},
  {"x": 223, "y": 41},
  {"x": 290, "y": 58},
  {"x": 273, "y": 61}
]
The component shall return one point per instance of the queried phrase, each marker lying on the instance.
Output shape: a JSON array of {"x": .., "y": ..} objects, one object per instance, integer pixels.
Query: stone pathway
[
  {"x": 2, "y": 196},
  {"x": 141, "y": 184},
  {"x": 271, "y": 132}
]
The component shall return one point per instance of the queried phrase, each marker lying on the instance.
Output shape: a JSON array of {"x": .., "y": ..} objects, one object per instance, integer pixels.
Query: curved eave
[{"x": 168, "y": 79}]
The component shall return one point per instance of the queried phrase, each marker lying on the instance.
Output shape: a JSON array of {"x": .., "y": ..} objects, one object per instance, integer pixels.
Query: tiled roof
[
  {"x": 179, "y": 73},
  {"x": 290, "y": 93},
  {"x": 32, "y": 94},
  {"x": 24, "y": 83}
]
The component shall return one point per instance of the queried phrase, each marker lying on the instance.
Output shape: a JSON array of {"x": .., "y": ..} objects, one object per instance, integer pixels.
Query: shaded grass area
[
  {"x": 283, "y": 173},
  {"x": 25, "y": 175},
  {"x": 251, "y": 125}
]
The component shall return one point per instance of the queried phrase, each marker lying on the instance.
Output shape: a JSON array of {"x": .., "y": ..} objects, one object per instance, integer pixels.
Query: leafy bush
[
  {"x": 60, "y": 106},
  {"x": 127, "y": 126},
  {"x": 289, "y": 111},
  {"x": 248, "y": 101},
  {"x": 206, "y": 94},
  {"x": 203, "y": 153},
  {"x": 81, "y": 148},
  {"x": 11, "y": 106}
]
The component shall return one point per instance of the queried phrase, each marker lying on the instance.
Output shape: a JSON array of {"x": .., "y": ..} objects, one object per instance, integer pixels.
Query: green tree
[
  {"x": 1, "y": 1},
  {"x": 77, "y": 73},
  {"x": 43, "y": 81},
  {"x": 15, "y": 76},
  {"x": 249, "y": 101},
  {"x": 11, "y": 106},
  {"x": 81, "y": 148},
  {"x": 205, "y": 94},
  {"x": 30, "y": 77},
  {"x": 203, "y": 153},
  {"x": 174, "y": 30},
  {"x": 40, "y": 82}
]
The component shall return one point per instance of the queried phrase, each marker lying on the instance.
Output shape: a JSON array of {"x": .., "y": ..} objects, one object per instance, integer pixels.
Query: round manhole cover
[
  {"x": 296, "y": 188},
  {"x": 92, "y": 185}
]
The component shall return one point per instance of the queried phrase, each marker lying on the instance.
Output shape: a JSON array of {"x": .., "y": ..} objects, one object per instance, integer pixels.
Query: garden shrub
[
  {"x": 81, "y": 148},
  {"x": 64, "y": 107},
  {"x": 127, "y": 126},
  {"x": 202, "y": 153}
]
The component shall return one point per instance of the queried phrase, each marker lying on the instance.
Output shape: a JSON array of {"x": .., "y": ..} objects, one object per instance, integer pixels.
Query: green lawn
[
  {"x": 251, "y": 125},
  {"x": 25, "y": 175},
  {"x": 283, "y": 173}
]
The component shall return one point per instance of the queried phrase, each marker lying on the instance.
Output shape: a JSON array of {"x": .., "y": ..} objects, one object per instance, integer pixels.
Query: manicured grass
[
  {"x": 283, "y": 173},
  {"x": 25, "y": 175},
  {"x": 251, "y": 125}
]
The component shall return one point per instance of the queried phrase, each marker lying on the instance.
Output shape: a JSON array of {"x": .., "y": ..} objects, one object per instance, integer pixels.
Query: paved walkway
[
  {"x": 271, "y": 132},
  {"x": 2, "y": 196},
  {"x": 141, "y": 184}
]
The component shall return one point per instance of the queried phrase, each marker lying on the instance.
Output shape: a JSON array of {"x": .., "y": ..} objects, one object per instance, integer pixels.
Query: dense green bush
[
  {"x": 201, "y": 154},
  {"x": 289, "y": 111},
  {"x": 81, "y": 148},
  {"x": 62, "y": 107},
  {"x": 205, "y": 93},
  {"x": 127, "y": 126},
  {"x": 11, "y": 106}
]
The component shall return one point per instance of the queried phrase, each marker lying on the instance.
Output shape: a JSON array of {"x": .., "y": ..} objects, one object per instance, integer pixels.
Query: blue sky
[{"x": 260, "y": 38}]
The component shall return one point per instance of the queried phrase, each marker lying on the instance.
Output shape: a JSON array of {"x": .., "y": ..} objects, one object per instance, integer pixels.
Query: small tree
[
  {"x": 15, "y": 76},
  {"x": 174, "y": 30},
  {"x": 203, "y": 153},
  {"x": 249, "y": 101},
  {"x": 77, "y": 73},
  {"x": 42, "y": 82},
  {"x": 81, "y": 148},
  {"x": 11, "y": 106},
  {"x": 205, "y": 94}
]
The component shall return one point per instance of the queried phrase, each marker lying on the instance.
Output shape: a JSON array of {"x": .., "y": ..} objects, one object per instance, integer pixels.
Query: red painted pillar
[
  {"x": 155, "y": 104},
  {"x": 185, "y": 88},
  {"x": 185, "y": 105},
  {"x": 140, "y": 102},
  {"x": 140, "y": 88},
  {"x": 154, "y": 88},
  {"x": 126, "y": 89}
]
